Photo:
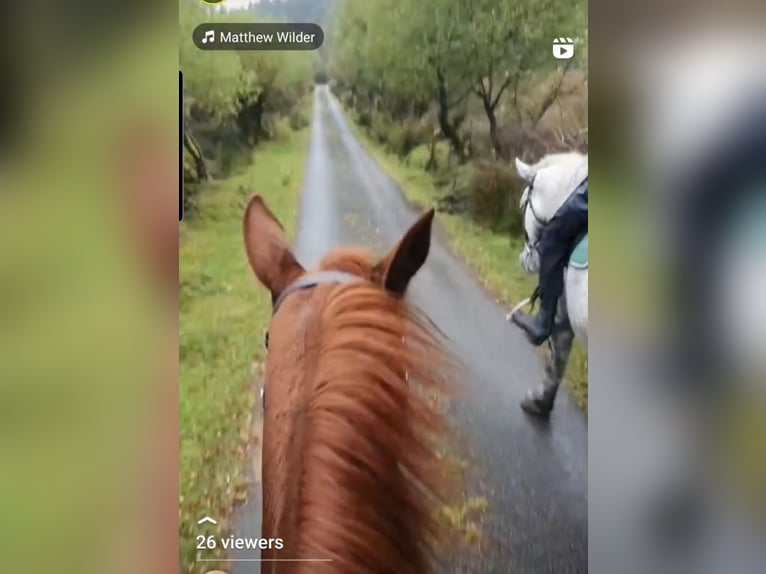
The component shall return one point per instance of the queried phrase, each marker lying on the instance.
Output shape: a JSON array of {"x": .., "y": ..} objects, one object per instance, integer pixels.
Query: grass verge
[
  {"x": 493, "y": 256},
  {"x": 223, "y": 315}
]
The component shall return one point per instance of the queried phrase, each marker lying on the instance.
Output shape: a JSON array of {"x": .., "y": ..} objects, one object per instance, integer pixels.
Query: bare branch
[{"x": 505, "y": 84}]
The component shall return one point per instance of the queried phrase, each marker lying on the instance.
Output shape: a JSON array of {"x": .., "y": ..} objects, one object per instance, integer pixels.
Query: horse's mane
[
  {"x": 563, "y": 172},
  {"x": 563, "y": 158},
  {"x": 371, "y": 473}
]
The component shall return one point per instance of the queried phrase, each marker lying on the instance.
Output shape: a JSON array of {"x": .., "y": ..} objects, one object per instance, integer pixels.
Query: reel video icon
[{"x": 563, "y": 48}]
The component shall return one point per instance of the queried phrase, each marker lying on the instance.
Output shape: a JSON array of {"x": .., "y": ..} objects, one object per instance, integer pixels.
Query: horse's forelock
[{"x": 360, "y": 262}]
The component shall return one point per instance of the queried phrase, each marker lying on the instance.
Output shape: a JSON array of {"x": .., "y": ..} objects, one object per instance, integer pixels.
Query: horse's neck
[{"x": 565, "y": 190}]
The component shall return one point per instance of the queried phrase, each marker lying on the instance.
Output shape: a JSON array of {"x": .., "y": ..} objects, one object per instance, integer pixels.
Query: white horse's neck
[{"x": 557, "y": 177}]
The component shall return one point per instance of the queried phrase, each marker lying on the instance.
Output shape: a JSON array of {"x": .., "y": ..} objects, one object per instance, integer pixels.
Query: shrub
[
  {"x": 297, "y": 120},
  {"x": 378, "y": 127},
  {"x": 364, "y": 119},
  {"x": 280, "y": 129},
  {"x": 421, "y": 155},
  {"x": 397, "y": 139},
  {"x": 418, "y": 157},
  {"x": 492, "y": 195},
  {"x": 453, "y": 180},
  {"x": 404, "y": 136}
]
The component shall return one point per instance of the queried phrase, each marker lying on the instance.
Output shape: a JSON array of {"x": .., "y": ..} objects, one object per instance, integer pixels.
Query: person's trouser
[
  {"x": 705, "y": 209},
  {"x": 556, "y": 244}
]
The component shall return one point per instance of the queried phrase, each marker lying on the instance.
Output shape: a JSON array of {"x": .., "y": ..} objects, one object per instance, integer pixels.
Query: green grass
[
  {"x": 224, "y": 313},
  {"x": 493, "y": 256}
]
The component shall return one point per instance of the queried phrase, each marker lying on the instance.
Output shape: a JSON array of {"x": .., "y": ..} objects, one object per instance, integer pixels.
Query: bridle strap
[
  {"x": 531, "y": 206},
  {"x": 311, "y": 280},
  {"x": 528, "y": 202}
]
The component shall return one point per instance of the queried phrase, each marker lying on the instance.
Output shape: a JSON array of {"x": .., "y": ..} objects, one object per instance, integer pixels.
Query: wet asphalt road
[{"x": 533, "y": 474}]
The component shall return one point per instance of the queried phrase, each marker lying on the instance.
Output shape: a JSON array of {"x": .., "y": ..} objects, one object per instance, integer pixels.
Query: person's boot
[
  {"x": 538, "y": 327},
  {"x": 540, "y": 401}
]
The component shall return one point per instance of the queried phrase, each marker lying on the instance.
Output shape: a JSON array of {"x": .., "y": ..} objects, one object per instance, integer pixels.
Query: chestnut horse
[{"x": 351, "y": 475}]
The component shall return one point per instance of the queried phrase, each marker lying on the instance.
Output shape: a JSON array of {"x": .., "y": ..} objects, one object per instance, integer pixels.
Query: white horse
[{"x": 549, "y": 183}]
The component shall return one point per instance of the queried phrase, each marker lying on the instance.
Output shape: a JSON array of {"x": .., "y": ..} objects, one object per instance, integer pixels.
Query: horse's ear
[
  {"x": 526, "y": 171},
  {"x": 403, "y": 262},
  {"x": 267, "y": 248}
]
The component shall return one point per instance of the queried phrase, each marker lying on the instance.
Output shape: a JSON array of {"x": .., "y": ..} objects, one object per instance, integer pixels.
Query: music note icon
[{"x": 209, "y": 37}]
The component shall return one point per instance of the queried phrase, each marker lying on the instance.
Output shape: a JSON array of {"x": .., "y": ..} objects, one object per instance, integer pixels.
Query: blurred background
[
  {"x": 677, "y": 464},
  {"x": 88, "y": 286}
]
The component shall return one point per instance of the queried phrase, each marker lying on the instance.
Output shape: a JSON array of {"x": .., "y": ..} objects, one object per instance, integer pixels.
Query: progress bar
[{"x": 264, "y": 559}]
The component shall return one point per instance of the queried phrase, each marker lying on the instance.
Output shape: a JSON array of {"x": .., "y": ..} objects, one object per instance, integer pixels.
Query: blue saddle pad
[
  {"x": 747, "y": 227},
  {"x": 579, "y": 257}
]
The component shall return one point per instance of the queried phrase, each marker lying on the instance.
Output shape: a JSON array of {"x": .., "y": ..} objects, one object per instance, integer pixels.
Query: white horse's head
[{"x": 549, "y": 183}]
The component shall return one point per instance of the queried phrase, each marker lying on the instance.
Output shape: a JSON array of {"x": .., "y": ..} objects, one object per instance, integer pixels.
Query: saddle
[
  {"x": 579, "y": 256},
  {"x": 578, "y": 259}
]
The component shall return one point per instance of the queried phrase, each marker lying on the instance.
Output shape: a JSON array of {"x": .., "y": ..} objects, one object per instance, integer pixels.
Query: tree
[
  {"x": 399, "y": 56},
  {"x": 234, "y": 88},
  {"x": 403, "y": 54},
  {"x": 212, "y": 80},
  {"x": 510, "y": 40}
]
